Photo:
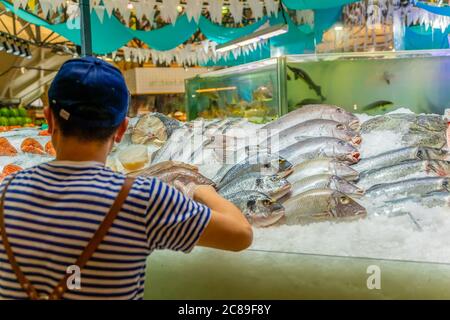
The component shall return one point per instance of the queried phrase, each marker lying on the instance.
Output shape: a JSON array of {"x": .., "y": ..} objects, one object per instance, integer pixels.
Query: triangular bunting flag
[{"x": 100, "y": 11}]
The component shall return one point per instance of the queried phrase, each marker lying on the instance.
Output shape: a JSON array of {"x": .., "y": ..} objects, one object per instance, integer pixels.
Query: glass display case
[
  {"x": 251, "y": 91},
  {"x": 370, "y": 82}
]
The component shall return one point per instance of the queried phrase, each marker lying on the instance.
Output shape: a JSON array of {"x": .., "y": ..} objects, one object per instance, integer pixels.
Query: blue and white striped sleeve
[{"x": 174, "y": 221}]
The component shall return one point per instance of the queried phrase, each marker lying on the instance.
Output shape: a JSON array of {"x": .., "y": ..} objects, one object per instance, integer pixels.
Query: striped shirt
[{"x": 52, "y": 211}]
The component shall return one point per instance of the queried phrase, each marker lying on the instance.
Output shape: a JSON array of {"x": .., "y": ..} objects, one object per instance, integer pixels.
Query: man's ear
[
  {"x": 121, "y": 131},
  {"x": 48, "y": 113}
]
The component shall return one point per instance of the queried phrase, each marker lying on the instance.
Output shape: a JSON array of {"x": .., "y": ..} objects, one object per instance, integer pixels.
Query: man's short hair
[{"x": 89, "y": 133}]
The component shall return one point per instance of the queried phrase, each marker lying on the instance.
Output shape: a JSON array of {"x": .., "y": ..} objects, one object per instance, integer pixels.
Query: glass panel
[
  {"x": 249, "y": 91},
  {"x": 371, "y": 83},
  {"x": 209, "y": 274}
]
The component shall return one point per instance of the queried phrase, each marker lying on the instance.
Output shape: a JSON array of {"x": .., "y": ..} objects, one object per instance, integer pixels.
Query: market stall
[{"x": 328, "y": 129}]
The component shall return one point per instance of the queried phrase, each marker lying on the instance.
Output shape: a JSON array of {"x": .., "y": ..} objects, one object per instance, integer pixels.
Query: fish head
[
  {"x": 342, "y": 185},
  {"x": 446, "y": 184},
  {"x": 343, "y": 170},
  {"x": 346, "y": 152},
  {"x": 343, "y": 116},
  {"x": 432, "y": 153},
  {"x": 441, "y": 168},
  {"x": 262, "y": 211},
  {"x": 341, "y": 131},
  {"x": 342, "y": 206},
  {"x": 273, "y": 185},
  {"x": 285, "y": 167}
]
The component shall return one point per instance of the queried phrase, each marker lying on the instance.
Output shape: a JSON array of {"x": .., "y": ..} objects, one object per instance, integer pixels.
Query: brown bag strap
[{"x": 85, "y": 256}]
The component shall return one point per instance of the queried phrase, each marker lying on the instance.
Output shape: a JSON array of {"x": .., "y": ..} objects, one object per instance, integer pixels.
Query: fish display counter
[{"x": 370, "y": 83}]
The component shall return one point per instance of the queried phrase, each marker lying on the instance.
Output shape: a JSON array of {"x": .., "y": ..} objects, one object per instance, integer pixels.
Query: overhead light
[
  {"x": 15, "y": 48},
  {"x": 255, "y": 37},
  {"x": 22, "y": 70},
  {"x": 338, "y": 27},
  {"x": 130, "y": 6},
  {"x": 179, "y": 9},
  {"x": 2, "y": 42},
  {"x": 9, "y": 48},
  {"x": 22, "y": 47}
]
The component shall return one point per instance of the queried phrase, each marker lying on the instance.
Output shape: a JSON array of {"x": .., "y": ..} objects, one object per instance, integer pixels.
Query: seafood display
[{"x": 306, "y": 167}]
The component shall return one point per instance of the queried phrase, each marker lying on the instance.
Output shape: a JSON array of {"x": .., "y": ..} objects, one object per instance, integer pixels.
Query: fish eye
[
  {"x": 251, "y": 204},
  {"x": 267, "y": 202},
  {"x": 341, "y": 143},
  {"x": 419, "y": 153},
  {"x": 340, "y": 126},
  {"x": 344, "y": 200},
  {"x": 282, "y": 160},
  {"x": 339, "y": 110}
]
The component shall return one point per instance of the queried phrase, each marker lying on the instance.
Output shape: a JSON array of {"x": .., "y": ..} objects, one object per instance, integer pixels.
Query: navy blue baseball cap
[{"x": 87, "y": 84}]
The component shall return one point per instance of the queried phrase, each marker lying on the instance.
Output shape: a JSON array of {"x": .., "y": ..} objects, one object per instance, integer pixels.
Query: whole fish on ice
[
  {"x": 312, "y": 112},
  {"x": 325, "y": 181},
  {"x": 323, "y": 166},
  {"x": 394, "y": 157},
  {"x": 321, "y": 205},
  {"x": 273, "y": 186},
  {"x": 259, "y": 209},
  {"x": 311, "y": 129},
  {"x": 319, "y": 148}
]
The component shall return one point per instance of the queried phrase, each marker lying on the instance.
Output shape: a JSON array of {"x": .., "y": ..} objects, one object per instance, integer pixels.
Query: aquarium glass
[
  {"x": 249, "y": 91},
  {"x": 372, "y": 83}
]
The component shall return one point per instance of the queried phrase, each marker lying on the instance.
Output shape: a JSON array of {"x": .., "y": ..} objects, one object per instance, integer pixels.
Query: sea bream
[
  {"x": 323, "y": 166},
  {"x": 325, "y": 181},
  {"x": 404, "y": 170},
  {"x": 310, "y": 129},
  {"x": 311, "y": 112},
  {"x": 273, "y": 186},
  {"x": 269, "y": 165},
  {"x": 321, "y": 205},
  {"x": 154, "y": 128},
  {"x": 319, "y": 148},
  {"x": 259, "y": 209},
  {"x": 407, "y": 188},
  {"x": 394, "y": 157}
]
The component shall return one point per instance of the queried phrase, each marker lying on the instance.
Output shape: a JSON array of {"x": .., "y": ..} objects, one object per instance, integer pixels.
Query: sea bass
[
  {"x": 416, "y": 168},
  {"x": 403, "y": 206},
  {"x": 273, "y": 186},
  {"x": 311, "y": 129},
  {"x": 406, "y": 188},
  {"x": 321, "y": 205},
  {"x": 311, "y": 112},
  {"x": 325, "y": 181},
  {"x": 259, "y": 209},
  {"x": 323, "y": 166},
  {"x": 394, "y": 157},
  {"x": 415, "y": 130},
  {"x": 319, "y": 148}
]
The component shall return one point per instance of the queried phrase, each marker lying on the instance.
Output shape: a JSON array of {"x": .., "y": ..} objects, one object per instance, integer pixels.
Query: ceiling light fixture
[{"x": 257, "y": 36}]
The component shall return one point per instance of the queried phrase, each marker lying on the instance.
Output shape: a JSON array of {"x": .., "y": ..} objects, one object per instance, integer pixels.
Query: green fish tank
[
  {"x": 249, "y": 91},
  {"x": 371, "y": 82}
]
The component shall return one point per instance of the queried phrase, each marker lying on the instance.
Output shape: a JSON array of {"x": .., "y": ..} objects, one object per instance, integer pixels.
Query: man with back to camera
[{"x": 75, "y": 211}]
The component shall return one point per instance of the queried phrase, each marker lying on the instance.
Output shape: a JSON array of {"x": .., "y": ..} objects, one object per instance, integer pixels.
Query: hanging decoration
[
  {"x": 215, "y": 11},
  {"x": 257, "y": 8},
  {"x": 236, "y": 10},
  {"x": 193, "y": 9}
]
